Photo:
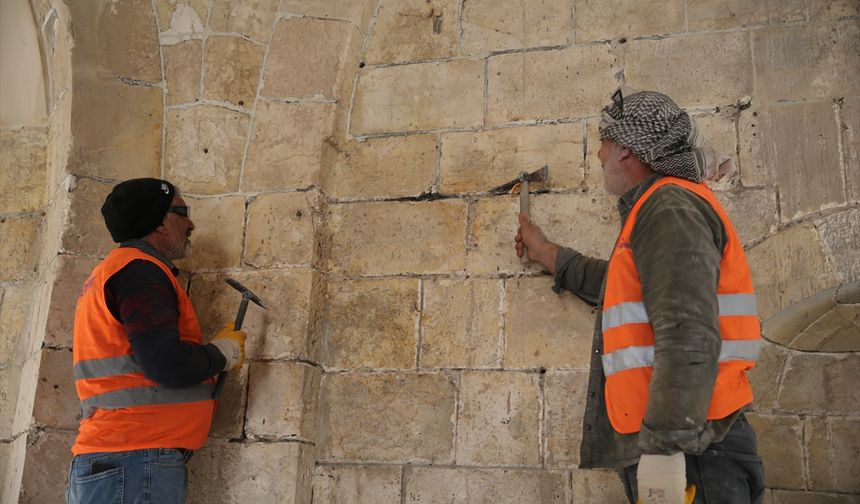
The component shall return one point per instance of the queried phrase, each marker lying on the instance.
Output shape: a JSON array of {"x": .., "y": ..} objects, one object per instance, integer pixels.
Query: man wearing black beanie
[{"x": 142, "y": 372}]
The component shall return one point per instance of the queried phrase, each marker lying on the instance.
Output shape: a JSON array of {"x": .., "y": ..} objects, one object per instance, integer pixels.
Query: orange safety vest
[
  {"x": 628, "y": 338},
  {"x": 122, "y": 409}
]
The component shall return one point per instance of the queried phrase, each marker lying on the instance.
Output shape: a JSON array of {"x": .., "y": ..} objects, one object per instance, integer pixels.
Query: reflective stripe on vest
[
  {"x": 137, "y": 396},
  {"x": 634, "y": 312},
  {"x": 109, "y": 366},
  {"x": 643, "y": 356}
]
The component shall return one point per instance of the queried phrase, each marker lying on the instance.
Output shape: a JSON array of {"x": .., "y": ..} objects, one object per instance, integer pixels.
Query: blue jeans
[
  {"x": 728, "y": 472},
  {"x": 155, "y": 475}
]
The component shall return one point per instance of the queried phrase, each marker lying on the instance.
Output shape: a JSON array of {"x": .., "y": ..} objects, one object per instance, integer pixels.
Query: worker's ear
[{"x": 624, "y": 153}]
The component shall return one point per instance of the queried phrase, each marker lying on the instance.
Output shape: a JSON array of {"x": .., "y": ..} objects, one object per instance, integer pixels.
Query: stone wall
[{"x": 338, "y": 158}]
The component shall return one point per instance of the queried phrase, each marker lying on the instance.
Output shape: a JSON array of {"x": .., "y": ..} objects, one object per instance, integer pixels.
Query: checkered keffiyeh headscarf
[{"x": 660, "y": 134}]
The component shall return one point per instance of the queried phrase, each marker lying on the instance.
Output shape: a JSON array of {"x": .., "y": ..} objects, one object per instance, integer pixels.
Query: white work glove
[
  {"x": 661, "y": 479},
  {"x": 232, "y": 345}
]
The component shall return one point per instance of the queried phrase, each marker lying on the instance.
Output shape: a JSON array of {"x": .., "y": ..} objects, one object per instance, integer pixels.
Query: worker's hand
[
  {"x": 538, "y": 248},
  {"x": 662, "y": 479},
  {"x": 232, "y": 344}
]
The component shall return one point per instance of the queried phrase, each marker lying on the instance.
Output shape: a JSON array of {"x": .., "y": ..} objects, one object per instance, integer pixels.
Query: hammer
[
  {"x": 523, "y": 180},
  {"x": 247, "y": 295}
]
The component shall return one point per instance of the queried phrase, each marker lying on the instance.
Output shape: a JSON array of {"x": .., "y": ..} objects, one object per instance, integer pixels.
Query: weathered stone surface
[
  {"x": 833, "y": 9},
  {"x": 282, "y": 400},
  {"x": 231, "y": 70},
  {"x": 11, "y": 467},
  {"x": 625, "y": 19},
  {"x": 72, "y": 273},
  {"x": 86, "y": 233},
  {"x": 187, "y": 16},
  {"x": 830, "y": 52},
  {"x": 779, "y": 443},
  {"x": 597, "y": 487},
  {"x": 259, "y": 472},
  {"x": 501, "y": 486},
  {"x": 10, "y": 379},
  {"x": 117, "y": 129},
  {"x": 300, "y": 64},
  {"x": 18, "y": 247},
  {"x": 721, "y": 132},
  {"x": 204, "y": 148},
  {"x": 800, "y": 497},
  {"x": 15, "y": 316},
  {"x": 841, "y": 242},
  {"x": 182, "y": 67},
  {"x": 229, "y": 419},
  {"x": 753, "y": 212},
  {"x": 766, "y": 376},
  {"x": 585, "y": 222},
  {"x": 787, "y": 268},
  {"x": 23, "y": 166},
  {"x": 46, "y": 467},
  {"x": 282, "y": 229},
  {"x": 838, "y": 330},
  {"x": 851, "y": 146},
  {"x": 216, "y": 241},
  {"x": 593, "y": 166},
  {"x": 253, "y": 18},
  {"x": 821, "y": 384},
  {"x": 56, "y": 403},
  {"x": 719, "y": 15},
  {"x": 422, "y": 96},
  {"x": 460, "y": 324},
  {"x": 287, "y": 145},
  {"x": 385, "y": 167},
  {"x": 833, "y": 445},
  {"x": 372, "y": 324},
  {"x": 358, "y": 12},
  {"x": 294, "y": 298},
  {"x": 549, "y": 84},
  {"x": 753, "y": 168},
  {"x": 496, "y": 26},
  {"x": 477, "y": 162},
  {"x": 682, "y": 67},
  {"x": 356, "y": 484},
  {"x": 784, "y": 327},
  {"x": 413, "y": 30},
  {"x": 564, "y": 404},
  {"x": 498, "y": 422},
  {"x": 545, "y": 329},
  {"x": 387, "y": 417},
  {"x": 398, "y": 237}
]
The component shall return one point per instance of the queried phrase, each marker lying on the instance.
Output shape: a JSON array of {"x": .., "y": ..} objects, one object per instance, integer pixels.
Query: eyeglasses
[{"x": 180, "y": 210}]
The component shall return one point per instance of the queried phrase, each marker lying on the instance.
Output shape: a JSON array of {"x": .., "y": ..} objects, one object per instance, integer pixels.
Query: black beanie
[{"x": 134, "y": 208}]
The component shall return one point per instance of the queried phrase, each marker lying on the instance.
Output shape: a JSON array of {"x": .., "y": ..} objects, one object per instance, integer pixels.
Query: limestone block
[
  {"x": 422, "y": 96},
  {"x": 305, "y": 58},
  {"x": 720, "y": 130},
  {"x": 833, "y": 446},
  {"x": 588, "y": 223},
  {"x": 682, "y": 67},
  {"x": 86, "y": 233},
  {"x": 12, "y": 455},
  {"x": 359, "y": 13},
  {"x": 829, "y": 52},
  {"x": 821, "y": 383},
  {"x": 357, "y": 484},
  {"x": 851, "y": 146},
  {"x": 133, "y": 51},
  {"x": 23, "y": 166},
  {"x": 10, "y": 379},
  {"x": 19, "y": 247},
  {"x": 252, "y": 18},
  {"x": 204, "y": 148},
  {"x": 779, "y": 444},
  {"x": 502, "y": 486},
  {"x": 842, "y": 241},
  {"x": 833, "y": 9},
  {"x": 499, "y": 418},
  {"x": 282, "y": 400},
  {"x": 287, "y": 329},
  {"x": 564, "y": 404},
  {"x": 372, "y": 324},
  {"x": 593, "y": 166},
  {"x": 753, "y": 130},
  {"x": 385, "y": 167},
  {"x": 398, "y": 237},
  {"x": 784, "y": 327},
  {"x": 460, "y": 324},
  {"x": 625, "y": 19},
  {"x": 545, "y": 329},
  {"x": 387, "y": 418},
  {"x": 72, "y": 273},
  {"x": 838, "y": 330},
  {"x": 282, "y": 228},
  {"x": 182, "y": 67},
  {"x": 15, "y": 320},
  {"x": 46, "y": 467},
  {"x": 258, "y": 472},
  {"x": 413, "y": 30},
  {"x": 116, "y": 128},
  {"x": 229, "y": 419},
  {"x": 801, "y": 497},
  {"x": 497, "y": 26},
  {"x": 766, "y": 376},
  {"x": 478, "y": 162},
  {"x": 549, "y": 84},
  {"x": 56, "y": 402},
  {"x": 188, "y": 16},
  {"x": 287, "y": 145},
  {"x": 231, "y": 70},
  {"x": 216, "y": 241},
  {"x": 753, "y": 212},
  {"x": 719, "y": 15},
  {"x": 788, "y": 267},
  {"x": 597, "y": 486}
]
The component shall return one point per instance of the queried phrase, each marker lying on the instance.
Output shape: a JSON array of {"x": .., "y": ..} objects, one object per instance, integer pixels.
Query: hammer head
[
  {"x": 541, "y": 175},
  {"x": 246, "y": 293}
]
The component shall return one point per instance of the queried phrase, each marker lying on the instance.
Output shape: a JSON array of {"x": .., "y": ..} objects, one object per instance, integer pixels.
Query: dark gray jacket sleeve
[{"x": 579, "y": 274}]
